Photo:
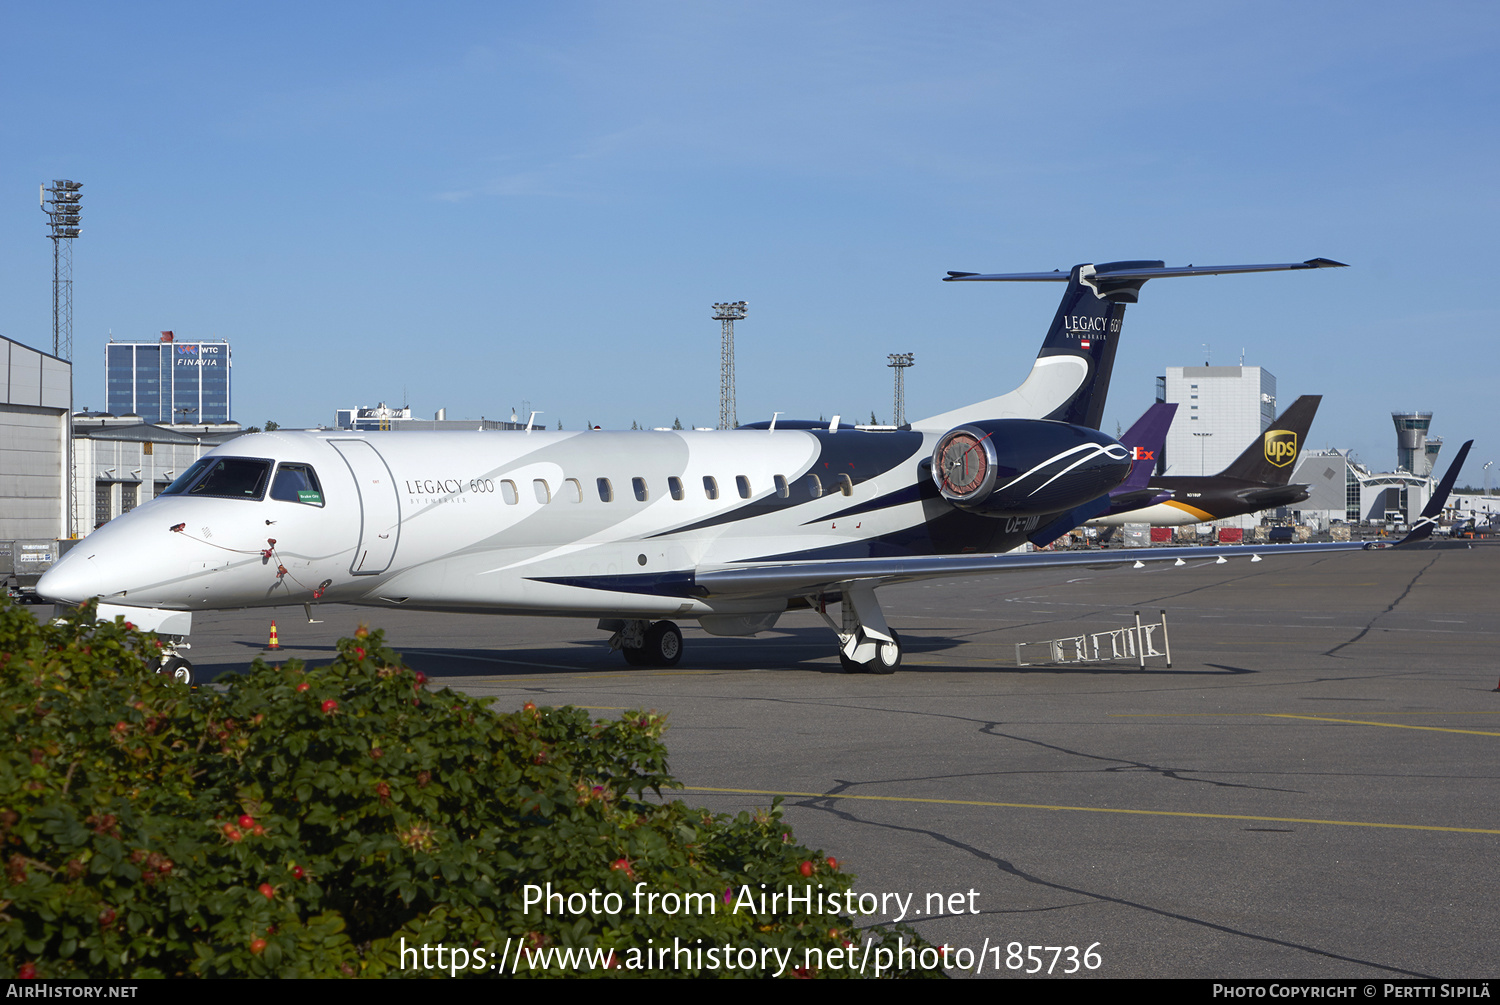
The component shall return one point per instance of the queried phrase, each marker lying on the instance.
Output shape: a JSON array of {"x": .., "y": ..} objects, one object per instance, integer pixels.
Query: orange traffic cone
[{"x": 272, "y": 645}]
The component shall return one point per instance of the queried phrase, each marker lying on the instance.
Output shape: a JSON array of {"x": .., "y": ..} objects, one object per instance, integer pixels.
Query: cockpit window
[
  {"x": 180, "y": 484},
  {"x": 223, "y": 478},
  {"x": 297, "y": 483}
]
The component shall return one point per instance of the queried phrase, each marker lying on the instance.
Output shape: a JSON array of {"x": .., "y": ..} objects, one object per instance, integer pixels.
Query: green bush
[{"x": 348, "y": 820}]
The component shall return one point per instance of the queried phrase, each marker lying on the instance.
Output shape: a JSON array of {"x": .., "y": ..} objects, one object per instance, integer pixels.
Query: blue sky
[{"x": 479, "y": 204}]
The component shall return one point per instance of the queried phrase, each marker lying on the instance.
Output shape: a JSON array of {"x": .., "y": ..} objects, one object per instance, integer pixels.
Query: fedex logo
[{"x": 1142, "y": 454}]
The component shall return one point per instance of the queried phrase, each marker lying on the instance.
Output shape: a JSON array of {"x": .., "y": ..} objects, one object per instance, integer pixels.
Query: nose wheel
[{"x": 178, "y": 669}]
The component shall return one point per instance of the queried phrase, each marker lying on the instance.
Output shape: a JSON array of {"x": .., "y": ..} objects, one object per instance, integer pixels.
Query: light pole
[
  {"x": 63, "y": 219},
  {"x": 728, "y": 313},
  {"x": 1202, "y": 451},
  {"x": 899, "y": 361}
]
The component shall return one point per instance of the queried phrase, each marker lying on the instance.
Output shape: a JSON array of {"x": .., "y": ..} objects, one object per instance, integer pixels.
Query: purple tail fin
[{"x": 1145, "y": 440}]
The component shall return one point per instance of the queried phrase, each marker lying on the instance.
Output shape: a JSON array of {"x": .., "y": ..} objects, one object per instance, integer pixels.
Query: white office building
[{"x": 1220, "y": 410}]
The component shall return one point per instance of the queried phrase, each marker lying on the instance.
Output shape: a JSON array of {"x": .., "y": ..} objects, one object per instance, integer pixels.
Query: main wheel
[
  {"x": 635, "y": 657},
  {"x": 178, "y": 669},
  {"x": 664, "y": 644},
  {"x": 887, "y": 655}
]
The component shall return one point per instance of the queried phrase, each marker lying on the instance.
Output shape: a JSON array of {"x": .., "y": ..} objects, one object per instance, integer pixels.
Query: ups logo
[{"x": 1281, "y": 447}]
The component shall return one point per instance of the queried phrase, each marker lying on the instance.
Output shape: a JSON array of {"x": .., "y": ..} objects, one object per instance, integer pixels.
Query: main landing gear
[
  {"x": 646, "y": 643},
  {"x": 866, "y": 643}
]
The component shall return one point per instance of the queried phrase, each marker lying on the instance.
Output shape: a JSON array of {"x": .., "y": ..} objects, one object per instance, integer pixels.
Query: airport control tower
[{"x": 1414, "y": 451}]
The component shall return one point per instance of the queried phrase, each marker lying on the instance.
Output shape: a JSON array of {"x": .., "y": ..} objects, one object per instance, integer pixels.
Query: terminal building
[
  {"x": 168, "y": 381},
  {"x": 1220, "y": 410}
]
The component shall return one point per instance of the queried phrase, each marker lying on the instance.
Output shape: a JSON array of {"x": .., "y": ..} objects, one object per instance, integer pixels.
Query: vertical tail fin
[
  {"x": 1145, "y": 440},
  {"x": 1422, "y": 528},
  {"x": 1271, "y": 457}
]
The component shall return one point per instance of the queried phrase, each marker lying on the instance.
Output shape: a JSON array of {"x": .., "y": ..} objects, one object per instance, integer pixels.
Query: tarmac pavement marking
[
  {"x": 1094, "y": 809},
  {"x": 1392, "y": 725}
]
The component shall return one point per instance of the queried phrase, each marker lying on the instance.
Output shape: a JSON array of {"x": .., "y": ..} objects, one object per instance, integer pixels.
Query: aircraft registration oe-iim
[{"x": 729, "y": 528}]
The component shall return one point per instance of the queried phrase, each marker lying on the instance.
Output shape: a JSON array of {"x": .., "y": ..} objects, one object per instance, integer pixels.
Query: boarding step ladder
[{"x": 1130, "y": 643}]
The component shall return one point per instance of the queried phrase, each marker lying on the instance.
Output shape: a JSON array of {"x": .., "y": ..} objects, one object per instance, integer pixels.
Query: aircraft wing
[{"x": 790, "y": 579}]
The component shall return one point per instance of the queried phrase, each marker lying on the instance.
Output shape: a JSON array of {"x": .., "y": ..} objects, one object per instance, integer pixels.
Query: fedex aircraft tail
[
  {"x": 1270, "y": 458},
  {"x": 1070, "y": 379},
  {"x": 1145, "y": 440}
]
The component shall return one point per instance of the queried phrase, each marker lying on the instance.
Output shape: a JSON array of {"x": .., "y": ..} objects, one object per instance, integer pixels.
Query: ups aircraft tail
[
  {"x": 1070, "y": 379},
  {"x": 1270, "y": 457}
]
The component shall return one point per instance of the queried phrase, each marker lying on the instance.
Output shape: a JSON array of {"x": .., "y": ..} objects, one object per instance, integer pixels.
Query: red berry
[
  {"x": 296, "y": 872},
  {"x": 106, "y": 917},
  {"x": 421, "y": 678},
  {"x": 27, "y": 972},
  {"x": 806, "y": 868},
  {"x": 359, "y": 653},
  {"x": 129, "y": 626},
  {"x": 257, "y": 946},
  {"x": 247, "y": 821},
  {"x": 259, "y": 831},
  {"x": 329, "y": 706},
  {"x": 302, "y": 687},
  {"x": 267, "y": 890},
  {"x": 232, "y": 832},
  {"x": 833, "y": 863}
]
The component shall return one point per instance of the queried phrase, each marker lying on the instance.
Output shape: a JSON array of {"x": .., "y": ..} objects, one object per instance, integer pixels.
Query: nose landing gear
[{"x": 175, "y": 666}]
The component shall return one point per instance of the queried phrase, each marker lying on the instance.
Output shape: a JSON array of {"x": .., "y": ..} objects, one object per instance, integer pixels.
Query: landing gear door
[{"x": 379, "y": 507}]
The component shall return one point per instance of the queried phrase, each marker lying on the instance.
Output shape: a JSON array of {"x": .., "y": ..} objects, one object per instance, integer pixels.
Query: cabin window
[
  {"x": 743, "y": 484},
  {"x": 508, "y": 492},
  {"x": 572, "y": 491},
  {"x": 710, "y": 487},
  {"x": 814, "y": 485},
  {"x": 606, "y": 490},
  {"x": 674, "y": 486},
  {"x": 543, "y": 493},
  {"x": 639, "y": 484},
  {"x": 297, "y": 483},
  {"x": 224, "y": 478},
  {"x": 846, "y": 485},
  {"x": 783, "y": 491}
]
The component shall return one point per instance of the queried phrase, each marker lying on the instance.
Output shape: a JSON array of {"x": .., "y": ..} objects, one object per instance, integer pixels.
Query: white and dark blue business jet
[{"x": 642, "y": 529}]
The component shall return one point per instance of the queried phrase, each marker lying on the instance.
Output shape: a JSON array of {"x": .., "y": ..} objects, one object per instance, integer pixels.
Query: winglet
[{"x": 1422, "y": 529}]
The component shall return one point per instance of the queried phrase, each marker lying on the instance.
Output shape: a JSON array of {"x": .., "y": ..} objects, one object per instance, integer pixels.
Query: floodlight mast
[
  {"x": 899, "y": 361},
  {"x": 728, "y": 313},
  {"x": 62, "y": 218}
]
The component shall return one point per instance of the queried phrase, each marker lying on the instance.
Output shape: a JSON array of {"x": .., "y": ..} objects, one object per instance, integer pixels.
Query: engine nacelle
[{"x": 1026, "y": 467}]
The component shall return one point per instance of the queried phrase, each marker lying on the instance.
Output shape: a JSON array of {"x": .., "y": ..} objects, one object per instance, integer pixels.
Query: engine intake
[{"x": 1026, "y": 467}]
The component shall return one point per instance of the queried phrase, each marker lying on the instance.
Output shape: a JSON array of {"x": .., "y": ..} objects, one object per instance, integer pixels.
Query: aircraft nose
[{"x": 71, "y": 580}]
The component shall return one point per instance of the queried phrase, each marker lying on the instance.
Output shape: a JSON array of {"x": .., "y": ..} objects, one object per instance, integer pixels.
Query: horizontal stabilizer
[{"x": 1162, "y": 272}]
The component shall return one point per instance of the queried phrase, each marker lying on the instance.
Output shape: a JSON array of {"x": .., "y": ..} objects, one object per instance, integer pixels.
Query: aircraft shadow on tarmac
[{"x": 783, "y": 650}]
